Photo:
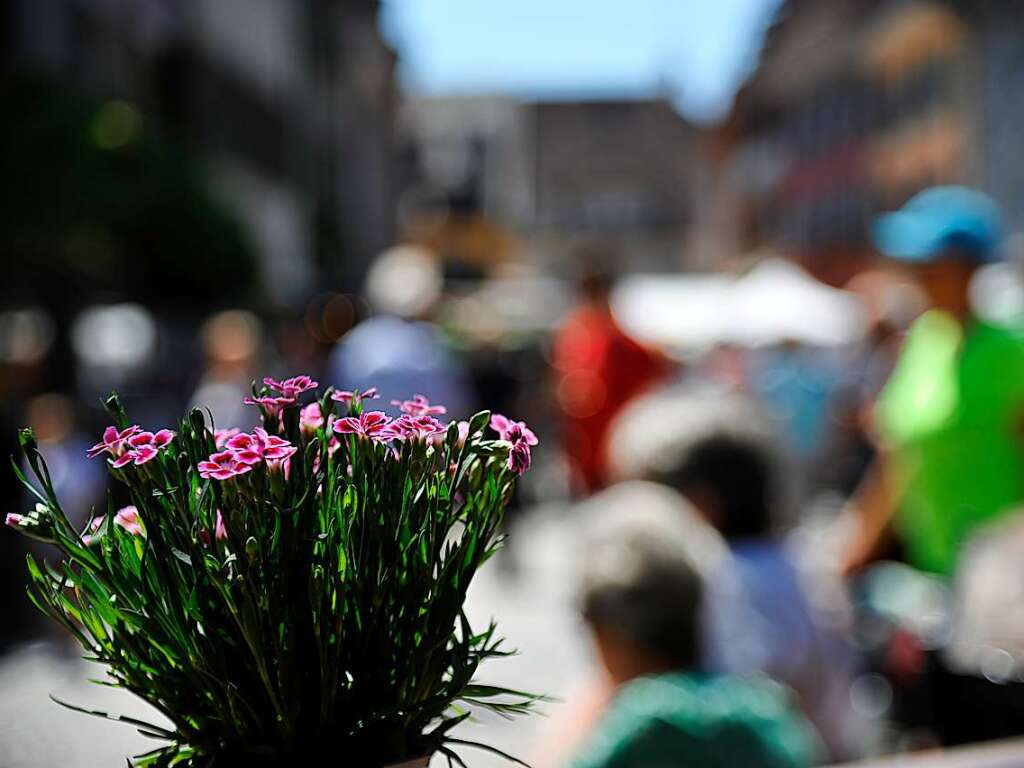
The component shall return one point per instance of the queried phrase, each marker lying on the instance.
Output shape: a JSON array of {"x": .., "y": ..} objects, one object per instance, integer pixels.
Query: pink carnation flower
[
  {"x": 223, "y": 465},
  {"x": 371, "y": 424},
  {"x": 502, "y": 424},
  {"x": 94, "y": 526},
  {"x": 519, "y": 458},
  {"x": 113, "y": 442},
  {"x": 145, "y": 445},
  {"x": 271, "y": 406},
  {"x": 293, "y": 387},
  {"x": 347, "y": 398},
  {"x": 417, "y": 427},
  {"x": 221, "y": 436},
  {"x": 128, "y": 518},
  {"x": 273, "y": 447},
  {"x": 311, "y": 418},
  {"x": 521, "y": 438},
  {"x": 246, "y": 448},
  {"x": 418, "y": 406},
  {"x": 259, "y": 446},
  {"x": 130, "y": 445}
]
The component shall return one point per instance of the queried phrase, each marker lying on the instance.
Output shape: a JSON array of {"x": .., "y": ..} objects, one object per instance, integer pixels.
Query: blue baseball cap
[{"x": 939, "y": 219}]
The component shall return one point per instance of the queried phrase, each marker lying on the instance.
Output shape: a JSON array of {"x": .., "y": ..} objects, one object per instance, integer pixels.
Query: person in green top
[
  {"x": 642, "y": 591},
  {"x": 950, "y": 421}
]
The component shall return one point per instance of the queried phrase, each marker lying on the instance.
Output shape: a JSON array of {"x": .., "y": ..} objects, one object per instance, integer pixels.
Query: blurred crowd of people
[
  {"x": 843, "y": 523},
  {"x": 799, "y": 555}
]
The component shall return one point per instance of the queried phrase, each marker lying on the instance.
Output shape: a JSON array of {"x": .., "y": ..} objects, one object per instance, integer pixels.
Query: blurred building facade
[
  {"x": 856, "y": 105},
  {"x": 536, "y": 179},
  {"x": 290, "y": 104},
  {"x": 465, "y": 181}
]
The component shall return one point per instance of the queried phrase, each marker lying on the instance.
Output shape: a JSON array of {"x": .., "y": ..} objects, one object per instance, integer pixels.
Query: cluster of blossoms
[
  {"x": 416, "y": 422},
  {"x": 131, "y": 445},
  {"x": 243, "y": 451},
  {"x": 238, "y": 452}
]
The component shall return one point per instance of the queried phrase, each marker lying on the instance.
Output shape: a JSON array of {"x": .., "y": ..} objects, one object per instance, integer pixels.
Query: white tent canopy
[
  {"x": 682, "y": 311},
  {"x": 774, "y": 302}
]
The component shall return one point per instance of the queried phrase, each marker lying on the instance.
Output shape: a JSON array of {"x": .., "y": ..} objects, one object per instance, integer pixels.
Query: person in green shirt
[
  {"x": 643, "y": 587},
  {"x": 950, "y": 421}
]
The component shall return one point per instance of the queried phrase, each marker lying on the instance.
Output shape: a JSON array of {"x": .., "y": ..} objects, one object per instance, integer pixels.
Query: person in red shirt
[{"x": 598, "y": 369}]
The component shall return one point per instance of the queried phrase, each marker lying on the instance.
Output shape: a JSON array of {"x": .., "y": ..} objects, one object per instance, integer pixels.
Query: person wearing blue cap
[{"x": 949, "y": 420}]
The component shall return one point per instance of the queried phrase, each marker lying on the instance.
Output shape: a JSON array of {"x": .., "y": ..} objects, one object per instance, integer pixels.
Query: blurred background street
[{"x": 655, "y": 232}]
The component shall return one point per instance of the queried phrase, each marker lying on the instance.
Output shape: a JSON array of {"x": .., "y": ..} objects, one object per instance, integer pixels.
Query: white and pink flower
[
  {"x": 128, "y": 519},
  {"x": 419, "y": 406},
  {"x": 113, "y": 441},
  {"x": 131, "y": 445},
  {"x": 311, "y": 418},
  {"x": 417, "y": 427},
  {"x": 348, "y": 398},
  {"x": 221, "y": 436},
  {"x": 222, "y": 466},
  {"x": 375, "y": 425},
  {"x": 291, "y": 388},
  {"x": 242, "y": 451},
  {"x": 521, "y": 438}
]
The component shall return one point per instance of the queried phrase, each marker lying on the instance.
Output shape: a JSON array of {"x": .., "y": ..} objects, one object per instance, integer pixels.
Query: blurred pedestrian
[
  {"x": 724, "y": 455},
  {"x": 892, "y": 302},
  {"x": 598, "y": 369},
  {"x": 399, "y": 350},
  {"x": 949, "y": 420},
  {"x": 643, "y": 585},
  {"x": 231, "y": 346},
  {"x": 79, "y": 482}
]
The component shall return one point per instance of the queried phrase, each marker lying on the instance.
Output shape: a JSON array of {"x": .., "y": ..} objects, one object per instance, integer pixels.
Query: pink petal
[
  {"x": 241, "y": 442},
  {"x": 221, "y": 436},
  {"x": 346, "y": 426},
  {"x": 279, "y": 452},
  {"x": 144, "y": 454},
  {"x": 128, "y": 518},
  {"x": 141, "y": 438},
  {"x": 248, "y": 456},
  {"x": 162, "y": 438},
  {"x": 125, "y": 458},
  {"x": 97, "y": 449}
]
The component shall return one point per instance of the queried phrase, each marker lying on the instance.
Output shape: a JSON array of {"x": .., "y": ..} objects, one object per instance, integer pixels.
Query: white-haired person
[
  {"x": 643, "y": 586},
  {"x": 399, "y": 350},
  {"x": 724, "y": 456}
]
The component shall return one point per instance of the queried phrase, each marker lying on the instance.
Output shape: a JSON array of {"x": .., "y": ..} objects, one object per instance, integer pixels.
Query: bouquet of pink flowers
[{"x": 294, "y": 593}]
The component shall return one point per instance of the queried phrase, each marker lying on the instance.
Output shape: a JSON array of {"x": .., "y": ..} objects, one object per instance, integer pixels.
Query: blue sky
[{"x": 696, "y": 50}]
